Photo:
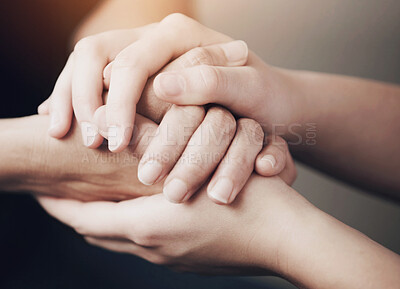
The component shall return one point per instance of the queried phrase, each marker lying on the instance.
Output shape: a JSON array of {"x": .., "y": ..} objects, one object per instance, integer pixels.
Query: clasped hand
[{"x": 102, "y": 83}]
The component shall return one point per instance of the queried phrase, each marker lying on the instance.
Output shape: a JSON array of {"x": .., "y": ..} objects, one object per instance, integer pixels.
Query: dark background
[{"x": 35, "y": 250}]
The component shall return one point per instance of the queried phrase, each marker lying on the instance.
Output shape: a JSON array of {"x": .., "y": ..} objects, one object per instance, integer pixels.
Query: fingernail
[
  {"x": 107, "y": 70},
  {"x": 89, "y": 133},
  {"x": 171, "y": 84},
  {"x": 149, "y": 172},
  {"x": 175, "y": 191},
  {"x": 115, "y": 137},
  {"x": 236, "y": 51},
  {"x": 222, "y": 190},
  {"x": 270, "y": 159}
]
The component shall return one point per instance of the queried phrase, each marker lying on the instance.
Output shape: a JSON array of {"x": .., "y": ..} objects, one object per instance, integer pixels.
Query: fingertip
[
  {"x": 149, "y": 172},
  {"x": 90, "y": 135},
  {"x": 236, "y": 52},
  {"x": 107, "y": 70},
  {"x": 59, "y": 127},
  {"x": 222, "y": 192},
  {"x": 266, "y": 165},
  {"x": 58, "y": 131},
  {"x": 169, "y": 85},
  {"x": 100, "y": 120},
  {"x": 217, "y": 200},
  {"x": 117, "y": 138},
  {"x": 176, "y": 191}
]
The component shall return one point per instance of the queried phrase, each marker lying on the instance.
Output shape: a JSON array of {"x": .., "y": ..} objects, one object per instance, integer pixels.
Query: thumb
[
  {"x": 199, "y": 85},
  {"x": 275, "y": 159}
]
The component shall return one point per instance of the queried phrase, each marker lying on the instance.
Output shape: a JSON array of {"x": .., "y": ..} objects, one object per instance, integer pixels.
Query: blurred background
[{"x": 352, "y": 37}]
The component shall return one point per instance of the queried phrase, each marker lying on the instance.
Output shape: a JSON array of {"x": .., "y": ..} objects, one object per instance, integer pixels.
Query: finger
[
  {"x": 87, "y": 87},
  {"x": 43, "y": 108},
  {"x": 130, "y": 248},
  {"x": 205, "y": 84},
  {"x": 272, "y": 159},
  {"x": 178, "y": 124},
  {"x": 205, "y": 150},
  {"x": 289, "y": 173},
  {"x": 60, "y": 106},
  {"x": 196, "y": 56},
  {"x": 101, "y": 219},
  {"x": 169, "y": 84},
  {"x": 126, "y": 220},
  {"x": 119, "y": 246},
  {"x": 107, "y": 75},
  {"x": 144, "y": 131},
  {"x": 238, "y": 163},
  {"x": 132, "y": 67},
  {"x": 232, "y": 53},
  {"x": 91, "y": 55}
]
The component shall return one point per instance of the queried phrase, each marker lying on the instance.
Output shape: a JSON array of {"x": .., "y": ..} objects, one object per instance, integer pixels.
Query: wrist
[
  {"x": 291, "y": 117},
  {"x": 290, "y": 216},
  {"x": 323, "y": 252}
]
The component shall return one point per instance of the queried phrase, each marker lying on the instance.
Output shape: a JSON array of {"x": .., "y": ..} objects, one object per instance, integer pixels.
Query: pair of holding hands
[{"x": 104, "y": 84}]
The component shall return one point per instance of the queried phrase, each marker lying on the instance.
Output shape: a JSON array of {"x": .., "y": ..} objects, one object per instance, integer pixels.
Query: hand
[
  {"x": 69, "y": 170},
  {"x": 248, "y": 237},
  {"x": 160, "y": 157},
  {"x": 270, "y": 228},
  {"x": 255, "y": 90},
  {"x": 219, "y": 144},
  {"x": 133, "y": 54},
  {"x": 187, "y": 144}
]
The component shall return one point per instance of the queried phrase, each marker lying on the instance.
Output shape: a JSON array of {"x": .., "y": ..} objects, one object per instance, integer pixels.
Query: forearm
[
  {"x": 325, "y": 253},
  {"x": 34, "y": 162},
  {"x": 119, "y": 14},
  {"x": 357, "y": 128},
  {"x": 18, "y": 158}
]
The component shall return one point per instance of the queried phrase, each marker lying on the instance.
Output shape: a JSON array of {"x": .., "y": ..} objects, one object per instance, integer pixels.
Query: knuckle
[
  {"x": 212, "y": 78},
  {"x": 142, "y": 236},
  {"x": 252, "y": 129},
  {"x": 125, "y": 61},
  {"x": 279, "y": 142},
  {"x": 195, "y": 114},
  {"x": 198, "y": 56},
  {"x": 197, "y": 164},
  {"x": 222, "y": 119},
  {"x": 175, "y": 19},
  {"x": 239, "y": 161},
  {"x": 87, "y": 44}
]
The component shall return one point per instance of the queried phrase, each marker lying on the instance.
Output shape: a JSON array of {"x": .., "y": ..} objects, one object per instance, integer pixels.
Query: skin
[
  {"x": 298, "y": 252},
  {"x": 364, "y": 104},
  {"x": 34, "y": 162},
  {"x": 179, "y": 128},
  {"x": 287, "y": 103},
  {"x": 284, "y": 102},
  {"x": 269, "y": 229}
]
